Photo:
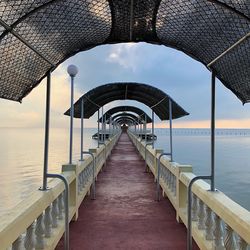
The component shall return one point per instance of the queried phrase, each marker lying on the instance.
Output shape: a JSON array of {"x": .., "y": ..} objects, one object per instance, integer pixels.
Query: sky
[{"x": 184, "y": 79}]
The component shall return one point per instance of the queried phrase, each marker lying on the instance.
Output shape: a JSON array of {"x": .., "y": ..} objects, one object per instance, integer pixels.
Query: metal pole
[
  {"x": 98, "y": 126},
  {"x": 66, "y": 207},
  {"x": 105, "y": 127},
  {"x": 46, "y": 143},
  {"x": 212, "y": 130},
  {"x": 145, "y": 129},
  {"x": 82, "y": 117},
  {"x": 71, "y": 120},
  {"x": 102, "y": 126},
  {"x": 170, "y": 128},
  {"x": 153, "y": 129}
]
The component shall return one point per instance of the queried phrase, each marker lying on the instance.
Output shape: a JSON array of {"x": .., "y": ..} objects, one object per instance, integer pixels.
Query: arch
[
  {"x": 124, "y": 108},
  {"x": 125, "y": 114},
  {"x": 202, "y": 29},
  {"x": 154, "y": 98}
]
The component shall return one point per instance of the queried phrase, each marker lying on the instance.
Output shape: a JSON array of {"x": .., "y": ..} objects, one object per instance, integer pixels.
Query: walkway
[{"x": 125, "y": 214}]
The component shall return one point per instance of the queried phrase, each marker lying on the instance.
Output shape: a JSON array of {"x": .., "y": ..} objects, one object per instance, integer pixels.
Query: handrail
[
  {"x": 66, "y": 207},
  {"x": 147, "y": 144},
  {"x": 189, "y": 228},
  {"x": 158, "y": 175},
  {"x": 94, "y": 167}
]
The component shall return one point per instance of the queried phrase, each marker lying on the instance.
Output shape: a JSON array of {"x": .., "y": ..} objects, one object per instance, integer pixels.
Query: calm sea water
[{"x": 21, "y": 158}]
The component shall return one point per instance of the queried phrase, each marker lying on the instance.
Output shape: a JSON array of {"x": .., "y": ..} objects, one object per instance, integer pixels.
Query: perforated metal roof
[
  {"x": 134, "y": 117},
  {"x": 154, "y": 98},
  {"x": 124, "y": 108},
  {"x": 53, "y": 30}
]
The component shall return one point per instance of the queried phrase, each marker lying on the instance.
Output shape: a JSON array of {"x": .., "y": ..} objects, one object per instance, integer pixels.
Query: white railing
[
  {"x": 218, "y": 223},
  {"x": 38, "y": 221}
]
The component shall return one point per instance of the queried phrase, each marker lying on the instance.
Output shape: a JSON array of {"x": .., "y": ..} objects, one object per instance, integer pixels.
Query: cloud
[{"x": 125, "y": 55}]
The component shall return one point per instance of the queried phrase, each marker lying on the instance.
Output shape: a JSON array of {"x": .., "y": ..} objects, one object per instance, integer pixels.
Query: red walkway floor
[{"x": 125, "y": 214}]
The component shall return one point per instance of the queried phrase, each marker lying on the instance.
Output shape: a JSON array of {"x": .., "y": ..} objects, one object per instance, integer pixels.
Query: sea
[{"x": 21, "y": 158}]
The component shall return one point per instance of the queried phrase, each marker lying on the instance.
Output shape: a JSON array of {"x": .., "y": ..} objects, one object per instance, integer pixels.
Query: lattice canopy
[
  {"x": 125, "y": 108},
  {"x": 137, "y": 119},
  {"x": 154, "y": 98},
  {"x": 37, "y": 35}
]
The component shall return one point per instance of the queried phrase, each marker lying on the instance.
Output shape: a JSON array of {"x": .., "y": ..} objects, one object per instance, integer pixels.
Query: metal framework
[
  {"x": 33, "y": 40},
  {"x": 147, "y": 94}
]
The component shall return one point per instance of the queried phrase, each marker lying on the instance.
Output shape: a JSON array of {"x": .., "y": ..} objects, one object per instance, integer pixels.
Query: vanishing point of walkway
[{"x": 125, "y": 214}]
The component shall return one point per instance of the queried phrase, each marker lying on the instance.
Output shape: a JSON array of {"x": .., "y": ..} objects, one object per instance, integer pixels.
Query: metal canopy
[
  {"x": 126, "y": 120},
  {"x": 149, "y": 95},
  {"x": 148, "y": 119},
  {"x": 124, "y": 116},
  {"x": 125, "y": 108},
  {"x": 36, "y": 36}
]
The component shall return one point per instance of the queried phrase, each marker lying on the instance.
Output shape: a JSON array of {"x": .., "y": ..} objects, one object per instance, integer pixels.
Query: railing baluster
[
  {"x": 201, "y": 216},
  {"x": 29, "y": 242},
  {"x": 18, "y": 243},
  {"x": 209, "y": 223},
  {"x": 194, "y": 208},
  {"x": 54, "y": 213},
  {"x": 218, "y": 234},
  {"x": 229, "y": 240},
  {"x": 60, "y": 206},
  {"x": 48, "y": 221},
  {"x": 39, "y": 231},
  {"x": 242, "y": 244}
]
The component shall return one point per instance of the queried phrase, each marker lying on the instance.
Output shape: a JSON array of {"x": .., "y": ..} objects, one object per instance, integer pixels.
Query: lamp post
[{"x": 72, "y": 71}]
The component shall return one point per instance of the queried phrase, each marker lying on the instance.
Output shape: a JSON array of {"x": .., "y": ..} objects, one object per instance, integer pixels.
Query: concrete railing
[
  {"x": 38, "y": 221},
  {"x": 218, "y": 222}
]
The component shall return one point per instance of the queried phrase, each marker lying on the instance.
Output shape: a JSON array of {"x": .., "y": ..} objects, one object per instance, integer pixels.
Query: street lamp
[{"x": 72, "y": 71}]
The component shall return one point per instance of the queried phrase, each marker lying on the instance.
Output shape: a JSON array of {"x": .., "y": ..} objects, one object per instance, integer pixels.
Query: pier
[
  {"x": 125, "y": 193},
  {"x": 125, "y": 214}
]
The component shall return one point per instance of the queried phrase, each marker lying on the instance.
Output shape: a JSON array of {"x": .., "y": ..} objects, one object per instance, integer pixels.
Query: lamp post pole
[{"x": 72, "y": 71}]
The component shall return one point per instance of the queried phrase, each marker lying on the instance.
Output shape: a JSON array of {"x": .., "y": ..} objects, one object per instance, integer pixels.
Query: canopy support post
[
  {"x": 98, "y": 128},
  {"x": 213, "y": 130},
  {"x": 145, "y": 117},
  {"x": 46, "y": 141},
  {"x": 153, "y": 129},
  {"x": 71, "y": 119},
  {"x": 82, "y": 119},
  {"x": 170, "y": 129},
  {"x": 102, "y": 127}
]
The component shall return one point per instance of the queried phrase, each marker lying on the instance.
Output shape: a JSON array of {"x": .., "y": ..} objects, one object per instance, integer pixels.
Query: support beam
[
  {"x": 46, "y": 141},
  {"x": 153, "y": 129},
  {"x": 98, "y": 127},
  {"x": 71, "y": 120},
  {"x": 82, "y": 124},
  {"x": 170, "y": 129},
  {"x": 212, "y": 130}
]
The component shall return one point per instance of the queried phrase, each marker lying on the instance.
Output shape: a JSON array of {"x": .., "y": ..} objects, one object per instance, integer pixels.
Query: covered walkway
[{"x": 125, "y": 214}]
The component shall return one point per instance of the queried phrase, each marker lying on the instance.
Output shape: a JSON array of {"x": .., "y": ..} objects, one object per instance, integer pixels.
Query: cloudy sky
[{"x": 184, "y": 79}]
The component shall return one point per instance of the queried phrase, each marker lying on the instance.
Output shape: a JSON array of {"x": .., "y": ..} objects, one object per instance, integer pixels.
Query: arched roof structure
[
  {"x": 36, "y": 36},
  {"x": 154, "y": 98},
  {"x": 125, "y": 114},
  {"x": 125, "y": 120},
  {"x": 124, "y": 108}
]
